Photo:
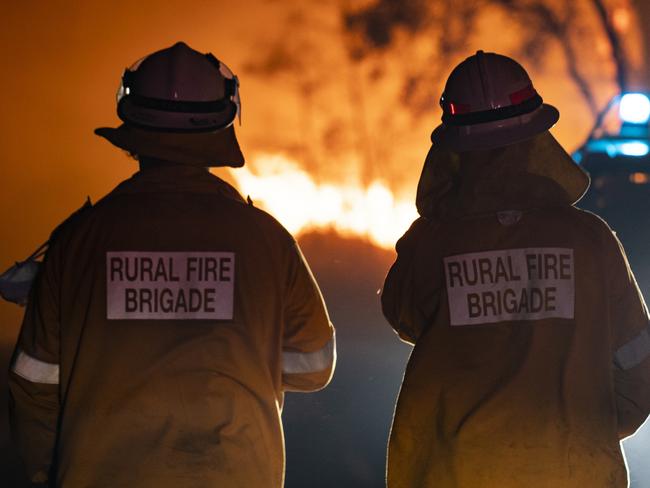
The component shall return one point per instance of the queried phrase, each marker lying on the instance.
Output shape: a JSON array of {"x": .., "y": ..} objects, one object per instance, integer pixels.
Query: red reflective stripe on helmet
[
  {"x": 458, "y": 108},
  {"x": 522, "y": 95}
]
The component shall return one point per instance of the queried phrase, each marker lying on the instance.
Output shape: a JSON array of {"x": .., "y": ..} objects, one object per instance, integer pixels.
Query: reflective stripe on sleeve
[
  {"x": 634, "y": 352},
  {"x": 35, "y": 370},
  {"x": 309, "y": 362}
]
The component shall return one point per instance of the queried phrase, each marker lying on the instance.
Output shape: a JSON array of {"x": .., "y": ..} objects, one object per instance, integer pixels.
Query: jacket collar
[
  {"x": 178, "y": 178},
  {"x": 506, "y": 191}
]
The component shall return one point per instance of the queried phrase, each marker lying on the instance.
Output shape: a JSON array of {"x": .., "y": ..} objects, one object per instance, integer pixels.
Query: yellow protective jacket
[
  {"x": 532, "y": 347},
  {"x": 165, "y": 326}
]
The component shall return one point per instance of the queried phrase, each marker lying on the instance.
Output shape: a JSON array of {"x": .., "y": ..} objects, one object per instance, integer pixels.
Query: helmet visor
[{"x": 227, "y": 73}]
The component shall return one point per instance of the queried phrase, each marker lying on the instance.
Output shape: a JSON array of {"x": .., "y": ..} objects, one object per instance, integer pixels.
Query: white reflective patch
[
  {"x": 35, "y": 370},
  {"x": 170, "y": 285},
  {"x": 514, "y": 284},
  {"x": 309, "y": 362},
  {"x": 634, "y": 352}
]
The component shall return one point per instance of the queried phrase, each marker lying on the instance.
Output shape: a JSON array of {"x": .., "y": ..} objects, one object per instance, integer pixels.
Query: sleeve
[
  {"x": 631, "y": 343},
  {"x": 398, "y": 299},
  {"x": 309, "y": 341},
  {"x": 34, "y": 376}
]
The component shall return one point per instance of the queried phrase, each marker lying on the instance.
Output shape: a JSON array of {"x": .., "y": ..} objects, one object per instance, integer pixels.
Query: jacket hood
[{"x": 536, "y": 172}]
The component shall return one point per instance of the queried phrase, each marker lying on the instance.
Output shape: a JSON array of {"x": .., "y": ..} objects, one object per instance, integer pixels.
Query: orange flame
[{"x": 285, "y": 190}]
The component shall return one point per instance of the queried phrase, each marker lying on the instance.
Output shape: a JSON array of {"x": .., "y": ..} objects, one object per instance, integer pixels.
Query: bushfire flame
[{"x": 281, "y": 187}]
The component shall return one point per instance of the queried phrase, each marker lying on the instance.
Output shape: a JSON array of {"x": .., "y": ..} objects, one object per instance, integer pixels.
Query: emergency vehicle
[{"x": 617, "y": 157}]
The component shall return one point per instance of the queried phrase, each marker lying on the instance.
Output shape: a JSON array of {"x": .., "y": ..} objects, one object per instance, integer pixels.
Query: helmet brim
[
  {"x": 492, "y": 134},
  {"x": 211, "y": 149}
]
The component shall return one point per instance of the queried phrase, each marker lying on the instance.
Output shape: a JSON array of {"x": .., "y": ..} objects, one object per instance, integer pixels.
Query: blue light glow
[
  {"x": 615, "y": 148},
  {"x": 634, "y": 108},
  {"x": 636, "y": 148}
]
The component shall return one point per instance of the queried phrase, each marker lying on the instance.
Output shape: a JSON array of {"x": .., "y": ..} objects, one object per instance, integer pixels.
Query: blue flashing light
[
  {"x": 634, "y": 108},
  {"x": 614, "y": 148},
  {"x": 635, "y": 148}
]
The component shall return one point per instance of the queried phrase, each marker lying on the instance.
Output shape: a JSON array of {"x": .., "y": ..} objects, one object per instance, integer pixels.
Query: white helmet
[
  {"x": 179, "y": 89},
  {"x": 489, "y": 101}
]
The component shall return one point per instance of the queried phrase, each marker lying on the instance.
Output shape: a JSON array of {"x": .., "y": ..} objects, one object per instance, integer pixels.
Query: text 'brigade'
[
  {"x": 514, "y": 284},
  {"x": 170, "y": 285}
]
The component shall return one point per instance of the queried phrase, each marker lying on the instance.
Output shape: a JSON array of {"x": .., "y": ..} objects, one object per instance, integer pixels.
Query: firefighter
[
  {"x": 169, "y": 318},
  {"x": 531, "y": 341}
]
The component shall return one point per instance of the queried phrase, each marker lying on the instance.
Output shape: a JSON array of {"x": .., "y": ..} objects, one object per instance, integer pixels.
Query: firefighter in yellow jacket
[
  {"x": 532, "y": 348},
  {"x": 169, "y": 318}
]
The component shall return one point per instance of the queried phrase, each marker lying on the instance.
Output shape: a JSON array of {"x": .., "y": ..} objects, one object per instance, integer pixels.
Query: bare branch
[
  {"x": 614, "y": 42},
  {"x": 544, "y": 21}
]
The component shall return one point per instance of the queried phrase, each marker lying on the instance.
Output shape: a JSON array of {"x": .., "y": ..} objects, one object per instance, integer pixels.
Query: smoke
[
  {"x": 376, "y": 24},
  {"x": 360, "y": 81}
]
